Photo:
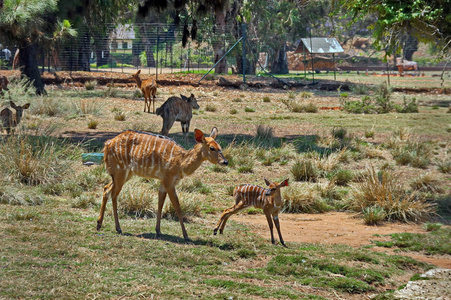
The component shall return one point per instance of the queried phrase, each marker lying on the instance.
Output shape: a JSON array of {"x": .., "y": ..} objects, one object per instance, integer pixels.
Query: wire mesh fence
[{"x": 124, "y": 48}]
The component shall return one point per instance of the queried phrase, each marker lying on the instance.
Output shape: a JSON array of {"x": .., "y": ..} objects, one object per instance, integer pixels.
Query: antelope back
[
  {"x": 250, "y": 195},
  {"x": 179, "y": 109},
  {"x": 144, "y": 154}
]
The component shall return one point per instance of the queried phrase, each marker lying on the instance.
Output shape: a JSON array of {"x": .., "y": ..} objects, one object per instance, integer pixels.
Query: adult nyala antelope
[
  {"x": 12, "y": 115},
  {"x": 177, "y": 109},
  {"x": 154, "y": 156},
  {"x": 149, "y": 90},
  {"x": 268, "y": 199}
]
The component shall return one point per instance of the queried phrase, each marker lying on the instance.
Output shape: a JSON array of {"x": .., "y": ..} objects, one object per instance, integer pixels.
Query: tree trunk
[
  {"x": 410, "y": 47},
  {"x": 84, "y": 52},
  {"x": 218, "y": 45},
  {"x": 28, "y": 65},
  {"x": 279, "y": 64}
]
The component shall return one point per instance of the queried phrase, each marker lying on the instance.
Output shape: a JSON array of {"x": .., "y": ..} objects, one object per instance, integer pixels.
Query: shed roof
[{"x": 319, "y": 46}]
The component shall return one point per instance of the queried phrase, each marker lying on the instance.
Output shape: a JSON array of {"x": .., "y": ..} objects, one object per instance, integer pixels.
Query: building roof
[{"x": 319, "y": 46}]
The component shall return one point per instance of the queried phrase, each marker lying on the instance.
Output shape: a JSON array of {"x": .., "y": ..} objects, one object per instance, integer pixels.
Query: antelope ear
[
  {"x": 139, "y": 71},
  {"x": 267, "y": 181},
  {"x": 284, "y": 183},
  {"x": 13, "y": 105},
  {"x": 184, "y": 97},
  {"x": 26, "y": 106},
  {"x": 199, "y": 136},
  {"x": 214, "y": 133}
]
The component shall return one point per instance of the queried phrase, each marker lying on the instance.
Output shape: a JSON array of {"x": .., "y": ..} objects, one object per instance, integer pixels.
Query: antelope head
[
  {"x": 191, "y": 100},
  {"x": 210, "y": 148},
  {"x": 274, "y": 186}
]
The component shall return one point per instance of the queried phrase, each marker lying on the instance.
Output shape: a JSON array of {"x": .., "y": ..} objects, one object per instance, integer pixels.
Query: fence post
[{"x": 156, "y": 61}]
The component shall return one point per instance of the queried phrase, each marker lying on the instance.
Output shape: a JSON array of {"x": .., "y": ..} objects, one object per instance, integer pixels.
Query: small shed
[{"x": 319, "y": 46}]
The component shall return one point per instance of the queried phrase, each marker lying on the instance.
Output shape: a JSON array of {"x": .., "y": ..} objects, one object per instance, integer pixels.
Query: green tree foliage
[{"x": 427, "y": 20}]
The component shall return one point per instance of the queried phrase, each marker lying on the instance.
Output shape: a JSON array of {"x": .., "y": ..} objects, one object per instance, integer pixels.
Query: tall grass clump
[
  {"x": 304, "y": 170},
  {"x": 189, "y": 204},
  {"x": 87, "y": 107},
  {"x": 300, "y": 198},
  {"x": 90, "y": 85},
  {"x": 414, "y": 153},
  {"x": 36, "y": 160},
  {"x": 385, "y": 190},
  {"x": 137, "y": 201},
  {"x": 22, "y": 89}
]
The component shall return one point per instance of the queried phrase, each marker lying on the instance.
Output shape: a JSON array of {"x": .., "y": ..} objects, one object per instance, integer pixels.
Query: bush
[
  {"x": 373, "y": 215},
  {"x": 385, "y": 190},
  {"x": 304, "y": 170},
  {"x": 210, "y": 107},
  {"x": 302, "y": 199},
  {"x": 407, "y": 107},
  {"x": 34, "y": 161},
  {"x": 90, "y": 85}
]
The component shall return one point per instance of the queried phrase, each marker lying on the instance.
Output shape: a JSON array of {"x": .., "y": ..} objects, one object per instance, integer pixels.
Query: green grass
[{"x": 434, "y": 242}]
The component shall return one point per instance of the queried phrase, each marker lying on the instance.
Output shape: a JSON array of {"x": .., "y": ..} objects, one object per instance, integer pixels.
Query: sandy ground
[{"x": 337, "y": 228}]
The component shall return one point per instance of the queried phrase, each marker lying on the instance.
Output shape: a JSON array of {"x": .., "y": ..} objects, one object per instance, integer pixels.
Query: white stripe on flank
[
  {"x": 126, "y": 154},
  {"x": 170, "y": 157},
  {"x": 143, "y": 151},
  {"x": 151, "y": 167},
  {"x": 132, "y": 155}
]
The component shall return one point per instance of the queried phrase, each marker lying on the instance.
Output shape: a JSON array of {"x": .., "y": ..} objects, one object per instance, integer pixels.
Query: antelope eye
[{"x": 212, "y": 149}]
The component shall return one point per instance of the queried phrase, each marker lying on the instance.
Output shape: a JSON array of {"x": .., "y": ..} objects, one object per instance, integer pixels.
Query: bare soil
[{"x": 337, "y": 228}]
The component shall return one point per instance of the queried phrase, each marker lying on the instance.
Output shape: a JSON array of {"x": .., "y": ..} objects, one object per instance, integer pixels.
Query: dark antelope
[
  {"x": 12, "y": 115},
  {"x": 177, "y": 109},
  {"x": 148, "y": 88},
  {"x": 3, "y": 83},
  {"x": 268, "y": 199},
  {"x": 154, "y": 156}
]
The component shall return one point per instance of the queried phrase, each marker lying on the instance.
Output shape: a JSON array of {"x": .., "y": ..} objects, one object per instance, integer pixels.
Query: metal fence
[{"x": 124, "y": 48}]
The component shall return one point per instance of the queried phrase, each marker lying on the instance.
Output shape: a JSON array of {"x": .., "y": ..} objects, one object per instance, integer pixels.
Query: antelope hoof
[
  {"x": 99, "y": 225},
  {"x": 215, "y": 231},
  {"x": 119, "y": 231}
]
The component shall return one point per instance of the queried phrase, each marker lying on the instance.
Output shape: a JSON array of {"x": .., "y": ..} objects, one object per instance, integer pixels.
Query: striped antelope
[
  {"x": 148, "y": 88},
  {"x": 154, "y": 156},
  {"x": 268, "y": 199},
  {"x": 177, "y": 109},
  {"x": 12, "y": 115}
]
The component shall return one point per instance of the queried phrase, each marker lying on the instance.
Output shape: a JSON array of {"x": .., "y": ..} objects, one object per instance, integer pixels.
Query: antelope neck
[{"x": 192, "y": 159}]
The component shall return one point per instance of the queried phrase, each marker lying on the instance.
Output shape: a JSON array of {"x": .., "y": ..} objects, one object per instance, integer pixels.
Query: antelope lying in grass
[
  {"x": 177, "y": 109},
  {"x": 148, "y": 88},
  {"x": 12, "y": 115},
  {"x": 268, "y": 199},
  {"x": 154, "y": 156}
]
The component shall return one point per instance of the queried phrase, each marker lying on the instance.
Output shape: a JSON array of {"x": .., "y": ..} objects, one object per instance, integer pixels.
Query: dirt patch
[{"x": 337, "y": 228}]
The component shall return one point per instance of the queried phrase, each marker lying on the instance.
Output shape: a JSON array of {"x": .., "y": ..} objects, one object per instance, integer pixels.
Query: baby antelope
[{"x": 268, "y": 199}]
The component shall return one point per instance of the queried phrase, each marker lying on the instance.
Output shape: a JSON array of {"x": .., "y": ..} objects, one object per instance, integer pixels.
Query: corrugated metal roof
[{"x": 319, "y": 46}]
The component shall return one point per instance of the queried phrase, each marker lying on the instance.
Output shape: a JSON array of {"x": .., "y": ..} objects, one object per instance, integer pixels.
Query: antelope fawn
[
  {"x": 155, "y": 156},
  {"x": 268, "y": 199},
  {"x": 12, "y": 115},
  {"x": 148, "y": 88},
  {"x": 177, "y": 109},
  {"x": 3, "y": 83}
]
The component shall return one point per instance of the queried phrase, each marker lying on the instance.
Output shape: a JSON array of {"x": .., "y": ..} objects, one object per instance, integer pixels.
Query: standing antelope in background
[
  {"x": 12, "y": 115},
  {"x": 148, "y": 88},
  {"x": 268, "y": 199},
  {"x": 154, "y": 156},
  {"x": 177, "y": 109}
]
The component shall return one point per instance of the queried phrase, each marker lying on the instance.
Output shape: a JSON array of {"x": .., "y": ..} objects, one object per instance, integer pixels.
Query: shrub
[
  {"x": 305, "y": 94},
  {"x": 266, "y": 99},
  {"x": 304, "y": 170},
  {"x": 373, "y": 215},
  {"x": 360, "y": 89},
  {"x": 444, "y": 166},
  {"x": 407, "y": 107},
  {"x": 342, "y": 177},
  {"x": 233, "y": 111},
  {"x": 119, "y": 115},
  {"x": 291, "y": 95},
  {"x": 92, "y": 124},
  {"x": 414, "y": 153},
  {"x": 210, "y": 107},
  {"x": 87, "y": 107},
  {"x": 34, "y": 161},
  {"x": 249, "y": 109},
  {"x": 90, "y": 85},
  {"x": 136, "y": 201},
  {"x": 190, "y": 206},
  {"x": 300, "y": 198},
  {"x": 385, "y": 190},
  {"x": 426, "y": 183},
  {"x": 264, "y": 133},
  {"x": 339, "y": 133}
]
